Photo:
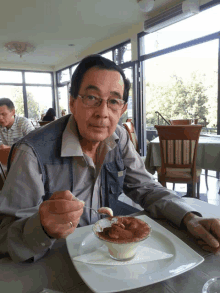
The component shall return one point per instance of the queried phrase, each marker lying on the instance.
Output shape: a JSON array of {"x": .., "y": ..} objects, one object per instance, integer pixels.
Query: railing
[{"x": 159, "y": 115}]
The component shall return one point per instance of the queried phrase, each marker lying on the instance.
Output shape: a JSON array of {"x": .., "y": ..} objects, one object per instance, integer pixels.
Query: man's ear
[
  {"x": 13, "y": 112},
  {"x": 72, "y": 104},
  {"x": 124, "y": 109}
]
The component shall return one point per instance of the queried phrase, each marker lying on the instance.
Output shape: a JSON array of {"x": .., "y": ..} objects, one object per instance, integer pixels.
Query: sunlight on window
[
  {"x": 15, "y": 94},
  {"x": 38, "y": 78},
  {"x": 200, "y": 25},
  {"x": 10, "y": 76},
  {"x": 107, "y": 55}
]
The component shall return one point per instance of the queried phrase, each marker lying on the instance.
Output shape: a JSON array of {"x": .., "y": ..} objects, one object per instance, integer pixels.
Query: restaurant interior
[{"x": 168, "y": 49}]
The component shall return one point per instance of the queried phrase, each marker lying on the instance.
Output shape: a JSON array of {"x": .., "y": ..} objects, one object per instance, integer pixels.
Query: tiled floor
[{"x": 212, "y": 194}]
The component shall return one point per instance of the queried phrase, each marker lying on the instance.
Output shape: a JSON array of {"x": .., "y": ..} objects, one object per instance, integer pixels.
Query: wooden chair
[
  {"x": 178, "y": 148},
  {"x": 42, "y": 123},
  {"x": 129, "y": 126},
  {"x": 2, "y": 176},
  {"x": 4, "y": 155}
]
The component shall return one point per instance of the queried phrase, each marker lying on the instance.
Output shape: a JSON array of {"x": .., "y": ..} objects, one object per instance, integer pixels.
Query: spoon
[{"x": 107, "y": 213}]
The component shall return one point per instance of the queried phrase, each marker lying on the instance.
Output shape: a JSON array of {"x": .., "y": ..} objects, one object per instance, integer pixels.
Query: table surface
[
  {"x": 56, "y": 271},
  {"x": 208, "y": 153}
]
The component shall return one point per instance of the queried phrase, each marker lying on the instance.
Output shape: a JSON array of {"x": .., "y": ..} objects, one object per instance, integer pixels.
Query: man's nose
[{"x": 103, "y": 109}]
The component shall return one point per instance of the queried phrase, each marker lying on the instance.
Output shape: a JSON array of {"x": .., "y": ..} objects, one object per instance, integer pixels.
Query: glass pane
[
  {"x": 183, "y": 84},
  {"x": 38, "y": 78},
  {"x": 10, "y": 76},
  {"x": 199, "y": 25},
  {"x": 107, "y": 55},
  {"x": 63, "y": 98},
  {"x": 128, "y": 113},
  {"x": 14, "y": 93},
  {"x": 73, "y": 68},
  {"x": 64, "y": 76},
  {"x": 122, "y": 54},
  {"x": 39, "y": 100},
  {"x": 129, "y": 74}
]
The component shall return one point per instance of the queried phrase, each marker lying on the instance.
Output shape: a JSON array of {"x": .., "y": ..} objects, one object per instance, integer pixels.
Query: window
[
  {"x": 63, "y": 76},
  {"x": 200, "y": 25},
  {"x": 107, "y": 55},
  {"x": 122, "y": 54},
  {"x": 10, "y": 76},
  {"x": 29, "y": 100},
  {"x": 15, "y": 94},
  {"x": 39, "y": 100},
  {"x": 38, "y": 78}
]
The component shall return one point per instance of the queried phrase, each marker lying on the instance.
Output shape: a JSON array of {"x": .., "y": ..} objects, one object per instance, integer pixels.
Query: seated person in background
[
  {"x": 84, "y": 158},
  {"x": 50, "y": 115},
  {"x": 63, "y": 112},
  {"x": 12, "y": 127}
]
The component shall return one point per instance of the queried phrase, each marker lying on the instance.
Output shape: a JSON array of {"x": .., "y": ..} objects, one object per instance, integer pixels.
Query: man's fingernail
[{"x": 82, "y": 201}]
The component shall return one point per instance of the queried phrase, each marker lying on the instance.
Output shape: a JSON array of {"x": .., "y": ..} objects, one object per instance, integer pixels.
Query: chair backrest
[
  {"x": 2, "y": 176},
  {"x": 4, "y": 155},
  {"x": 42, "y": 123},
  {"x": 178, "y": 146},
  {"x": 129, "y": 126}
]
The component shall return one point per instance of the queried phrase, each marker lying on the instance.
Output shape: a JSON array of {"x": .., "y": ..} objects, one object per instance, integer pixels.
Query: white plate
[{"x": 119, "y": 278}]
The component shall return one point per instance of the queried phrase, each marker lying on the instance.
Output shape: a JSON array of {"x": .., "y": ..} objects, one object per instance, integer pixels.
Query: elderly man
[
  {"x": 12, "y": 127},
  {"x": 84, "y": 158}
]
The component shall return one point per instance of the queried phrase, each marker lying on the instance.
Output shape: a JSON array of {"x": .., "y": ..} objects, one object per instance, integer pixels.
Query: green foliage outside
[
  {"x": 34, "y": 108},
  {"x": 182, "y": 99}
]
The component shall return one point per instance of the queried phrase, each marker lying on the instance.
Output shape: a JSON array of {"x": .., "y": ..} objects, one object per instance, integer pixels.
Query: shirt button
[{"x": 43, "y": 244}]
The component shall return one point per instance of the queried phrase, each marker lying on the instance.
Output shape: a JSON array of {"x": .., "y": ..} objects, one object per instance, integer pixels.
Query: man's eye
[
  {"x": 114, "y": 101},
  {"x": 91, "y": 98}
]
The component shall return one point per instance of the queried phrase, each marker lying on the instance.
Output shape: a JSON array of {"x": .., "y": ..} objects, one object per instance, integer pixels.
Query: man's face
[
  {"x": 97, "y": 123},
  {"x": 6, "y": 117}
]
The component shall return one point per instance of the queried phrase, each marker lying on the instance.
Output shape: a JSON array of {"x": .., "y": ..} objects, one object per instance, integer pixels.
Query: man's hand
[
  {"x": 60, "y": 214},
  {"x": 4, "y": 146},
  {"x": 206, "y": 231}
]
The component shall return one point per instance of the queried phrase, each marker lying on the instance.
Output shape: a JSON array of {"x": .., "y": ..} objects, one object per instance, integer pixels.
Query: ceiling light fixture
[
  {"x": 146, "y": 5},
  {"x": 19, "y": 48}
]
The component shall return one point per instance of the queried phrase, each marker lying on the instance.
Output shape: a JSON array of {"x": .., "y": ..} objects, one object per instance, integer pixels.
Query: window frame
[{"x": 24, "y": 85}]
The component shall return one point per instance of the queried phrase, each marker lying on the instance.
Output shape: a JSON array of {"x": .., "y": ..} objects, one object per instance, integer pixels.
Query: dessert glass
[{"x": 118, "y": 251}]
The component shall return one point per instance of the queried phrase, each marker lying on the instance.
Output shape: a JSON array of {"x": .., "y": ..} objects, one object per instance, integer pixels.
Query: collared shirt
[
  {"x": 21, "y": 127},
  {"x": 21, "y": 233}
]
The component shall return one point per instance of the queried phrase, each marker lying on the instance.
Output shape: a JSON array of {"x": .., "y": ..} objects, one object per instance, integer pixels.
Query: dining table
[
  {"x": 56, "y": 272},
  {"x": 208, "y": 153}
]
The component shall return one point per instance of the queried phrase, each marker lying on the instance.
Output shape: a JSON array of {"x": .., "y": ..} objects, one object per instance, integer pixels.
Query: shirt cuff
[
  {"x": 175, "y": 212},
  {"x": 35, "y": 237}
]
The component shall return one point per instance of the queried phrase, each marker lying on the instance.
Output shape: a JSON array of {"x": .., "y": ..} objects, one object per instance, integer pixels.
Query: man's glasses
[{"x": 93, "y": 101}]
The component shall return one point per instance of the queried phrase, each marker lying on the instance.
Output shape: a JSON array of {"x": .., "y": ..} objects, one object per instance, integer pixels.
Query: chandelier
[{"x": 19, "y": 48}]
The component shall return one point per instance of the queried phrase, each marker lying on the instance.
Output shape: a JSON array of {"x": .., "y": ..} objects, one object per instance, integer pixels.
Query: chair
[
  {"x": 2, "y": 176},
  {"x": 178, "y": 148},
  {"x": 129, "y": 126},
  {"x": 42, "y": 123},
  {"x": 4, "y": 155}
]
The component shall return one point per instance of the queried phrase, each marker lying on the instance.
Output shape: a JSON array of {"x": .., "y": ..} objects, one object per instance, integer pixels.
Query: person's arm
[
  {"x": 21, "y": 233},
  {"x": 27, "y": 127}
]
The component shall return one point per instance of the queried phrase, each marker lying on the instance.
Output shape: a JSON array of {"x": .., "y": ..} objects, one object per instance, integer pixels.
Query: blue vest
[{"x": 57, "y": 171}]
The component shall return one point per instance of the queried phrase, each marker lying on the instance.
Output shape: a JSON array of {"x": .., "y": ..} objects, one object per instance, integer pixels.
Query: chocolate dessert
[{"x": 125, "y": 230}]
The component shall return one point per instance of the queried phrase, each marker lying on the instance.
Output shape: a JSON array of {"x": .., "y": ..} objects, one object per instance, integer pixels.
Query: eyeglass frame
[{"x": 100, "y": 102}]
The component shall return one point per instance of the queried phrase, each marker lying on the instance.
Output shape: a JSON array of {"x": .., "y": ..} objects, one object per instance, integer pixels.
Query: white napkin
[{"x": 101, "y": 256}]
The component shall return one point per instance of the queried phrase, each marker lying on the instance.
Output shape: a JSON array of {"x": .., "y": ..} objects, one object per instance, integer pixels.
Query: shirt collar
[{"x": 70, "y": 140}]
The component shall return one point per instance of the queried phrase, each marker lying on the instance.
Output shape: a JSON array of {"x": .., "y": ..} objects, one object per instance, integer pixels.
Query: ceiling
[{"x": 51, "y": 25}]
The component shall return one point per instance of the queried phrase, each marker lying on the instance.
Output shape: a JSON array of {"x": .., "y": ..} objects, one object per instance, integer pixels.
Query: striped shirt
[{"x": 21, "y": 127}]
